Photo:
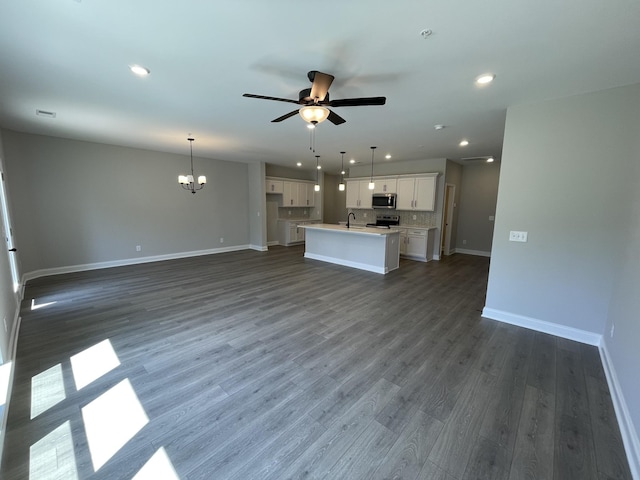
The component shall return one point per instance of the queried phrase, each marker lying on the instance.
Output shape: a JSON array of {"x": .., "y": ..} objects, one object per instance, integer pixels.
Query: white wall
[
  {"x": 78, "y": 203},
  {"x": 569, "y": 177}
]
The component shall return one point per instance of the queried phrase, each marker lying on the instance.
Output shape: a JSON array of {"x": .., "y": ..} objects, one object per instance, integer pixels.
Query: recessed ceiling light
[
  {"x": 299, "y": 164},
  {"x": 311, "y": 126},
  {"x": 352, "y": 161},
  {"x": 387, "y": 156},
  {"x": 438, "y": 127},
  {"x": 464, "y": 143},
  {"x": 319, "y": 167},
  {"x": 140, "y": 70},
  {"x": 490, "y": 159},
  {"x": 485, "y": 78}
]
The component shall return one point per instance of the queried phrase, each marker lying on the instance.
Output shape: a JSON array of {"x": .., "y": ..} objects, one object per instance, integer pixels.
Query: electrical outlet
[
  {"x": 515, "y": 236},
  {"x": 415, "y": 217},
  {"x": 491, "y": 218},
  {"x": 221, "y": 239},
  {"x": 464, "y": 242},
  {"x": 613, "y": 327},
  {"x": 138, "y": 248},
  {"x": 365, "y": 215}
]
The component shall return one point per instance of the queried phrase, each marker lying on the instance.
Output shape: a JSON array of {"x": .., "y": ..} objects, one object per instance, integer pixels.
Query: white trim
[
  {"x": 259, "y": 248},
  {"x": 13, "y": 349},
  {"x": 346, "y": 263},
  {"x": 578, "y": 335},
  {"x": 627, "y": 430},
  {"x": 273, "y": 243},
  {"x": 127, "y": 261},
  {"x": 479, "y": 253},
  {"x": 436, "y": 257}
]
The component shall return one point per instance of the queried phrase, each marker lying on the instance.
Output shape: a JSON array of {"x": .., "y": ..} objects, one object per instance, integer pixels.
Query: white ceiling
[{"x": 71, "y": 57}]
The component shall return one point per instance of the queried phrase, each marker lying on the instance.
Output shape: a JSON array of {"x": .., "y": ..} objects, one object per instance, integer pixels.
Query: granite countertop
[{"x": 355, "y": 229}]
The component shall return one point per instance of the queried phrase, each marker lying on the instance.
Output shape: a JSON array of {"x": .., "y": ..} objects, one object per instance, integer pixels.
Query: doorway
[{"x": 447, "y": 219}]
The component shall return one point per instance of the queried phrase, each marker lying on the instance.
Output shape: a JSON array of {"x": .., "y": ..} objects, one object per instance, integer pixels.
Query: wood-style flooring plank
[{"x": 268, "y": 366}]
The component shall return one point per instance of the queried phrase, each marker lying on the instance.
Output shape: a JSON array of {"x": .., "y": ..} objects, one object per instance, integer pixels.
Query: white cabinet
[
  {"x": 274, "y": 186},
  {"x": 306, "y": 194},
  {"x": 417, "y": 193},
  {"x": 385, "y": 185},
  {"x": 358, "y": 194},
  {"x": 417, "y": 243},
  {"x": 297, "y": 194}
]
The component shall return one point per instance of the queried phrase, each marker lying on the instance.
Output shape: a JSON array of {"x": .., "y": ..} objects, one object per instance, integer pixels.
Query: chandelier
[{"x": 187, "y": 181}]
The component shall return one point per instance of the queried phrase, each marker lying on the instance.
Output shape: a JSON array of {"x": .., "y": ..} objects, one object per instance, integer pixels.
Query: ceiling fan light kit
[{"x": 314, "y": 114}]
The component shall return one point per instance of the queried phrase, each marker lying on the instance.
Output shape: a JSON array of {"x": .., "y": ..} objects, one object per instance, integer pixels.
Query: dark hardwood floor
[{"x": 252, "y": 365}]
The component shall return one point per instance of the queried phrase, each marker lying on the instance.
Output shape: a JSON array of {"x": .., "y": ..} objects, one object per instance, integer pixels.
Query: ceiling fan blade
[
  {"x": 263, "y": 97},
  {"x": 335, "y": 118},
  {"x": 284, "y": 117},
  {"x": 321, "y": 83},
  {"x": 357, "y": 102}
]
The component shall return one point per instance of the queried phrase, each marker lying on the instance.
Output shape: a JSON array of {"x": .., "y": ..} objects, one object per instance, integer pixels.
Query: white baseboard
[
  {"x": 259, "y": 248},
  {"x": 273, "y": 243},
  {"x": 627, "y": 430},
  {"x": 570, "y": 333},
  {"x": 127, "y": 261},
  {"x": 479, "y": 253}
]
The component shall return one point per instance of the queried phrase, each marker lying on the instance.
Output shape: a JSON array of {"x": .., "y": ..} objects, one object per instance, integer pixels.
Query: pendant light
[
  {"x": 187, "y": 181},
  {"x": 371, "y": 184},
  {"x": 317, "y": 185},
  {"x": 341, "y": 184}
]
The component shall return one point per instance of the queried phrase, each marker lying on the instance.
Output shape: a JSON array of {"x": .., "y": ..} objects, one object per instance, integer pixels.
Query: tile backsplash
[
  {"x": 297, "y": 213},
  {"x": 423, "y": 219}
]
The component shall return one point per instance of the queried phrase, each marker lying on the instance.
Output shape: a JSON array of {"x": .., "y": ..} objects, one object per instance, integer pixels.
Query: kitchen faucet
[{"x": 349, "y": 217}]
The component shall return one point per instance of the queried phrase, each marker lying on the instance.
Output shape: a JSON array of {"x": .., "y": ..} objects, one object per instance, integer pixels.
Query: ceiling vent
[
  {"x": 44, "y": 113},
  {"x": 476, "y": 159}
]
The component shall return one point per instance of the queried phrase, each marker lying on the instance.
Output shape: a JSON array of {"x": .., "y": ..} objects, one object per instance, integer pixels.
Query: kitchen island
[{"x": 367, "y": 248}]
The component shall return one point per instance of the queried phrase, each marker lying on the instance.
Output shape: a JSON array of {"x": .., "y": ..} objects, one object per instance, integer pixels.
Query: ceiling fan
[{"x": 315, "y": 101}]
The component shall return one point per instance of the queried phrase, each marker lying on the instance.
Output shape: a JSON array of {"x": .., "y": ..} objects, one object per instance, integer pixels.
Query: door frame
[{"x": 447, "y": 218}]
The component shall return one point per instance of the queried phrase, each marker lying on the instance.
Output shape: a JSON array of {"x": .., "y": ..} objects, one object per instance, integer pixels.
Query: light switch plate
[{"x": 516, "y": 236}]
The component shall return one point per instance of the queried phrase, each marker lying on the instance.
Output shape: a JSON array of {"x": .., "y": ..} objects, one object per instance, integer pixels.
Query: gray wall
[
  {"x": 285, "y": 172},
  {"x": 257, "y": 206},
  {"x": 569, "y": 176},
  {"x": 78, "y": 203},
  {"x": 334, "y": 208},
  {"x": 477, "y": 202}
]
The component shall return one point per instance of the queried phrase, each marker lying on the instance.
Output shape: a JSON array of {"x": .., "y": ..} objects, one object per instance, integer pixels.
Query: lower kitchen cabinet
[
  {"x": 289, "y": 233},
  {"x": 417, "y": 243}
]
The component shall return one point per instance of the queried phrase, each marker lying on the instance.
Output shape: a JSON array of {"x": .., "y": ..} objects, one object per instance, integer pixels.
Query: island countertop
[{"x": 351, "y": 230}]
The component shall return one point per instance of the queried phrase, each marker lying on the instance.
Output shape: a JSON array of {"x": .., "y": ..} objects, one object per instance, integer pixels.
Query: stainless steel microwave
[{"x": 383, "y": 200}]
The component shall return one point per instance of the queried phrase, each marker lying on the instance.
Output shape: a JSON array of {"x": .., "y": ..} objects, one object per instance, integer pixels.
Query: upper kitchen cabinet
[
  {"x": 358, "y": 194},
  {"x": 385, "y": 185},
  {"x": 417, "y": 193},
  {"x": 297, "y": 194},
  {"x": 274, "y": 186}
]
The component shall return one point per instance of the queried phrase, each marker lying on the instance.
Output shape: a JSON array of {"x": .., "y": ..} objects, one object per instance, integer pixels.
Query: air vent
[
  {"x": 476, "y": 159},
  {"x": 44, "y": 113}
]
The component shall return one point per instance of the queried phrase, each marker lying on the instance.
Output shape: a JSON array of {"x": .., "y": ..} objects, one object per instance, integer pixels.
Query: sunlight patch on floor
[
  {"x": 158, "y": 466},
  {"x": 47, "y": 390},
  {"x": 42, "y": 305},
  {"x": 52, "y": 457},
  {"x": 93, "y": 363},
  {"x": 111, "y": 420}
]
